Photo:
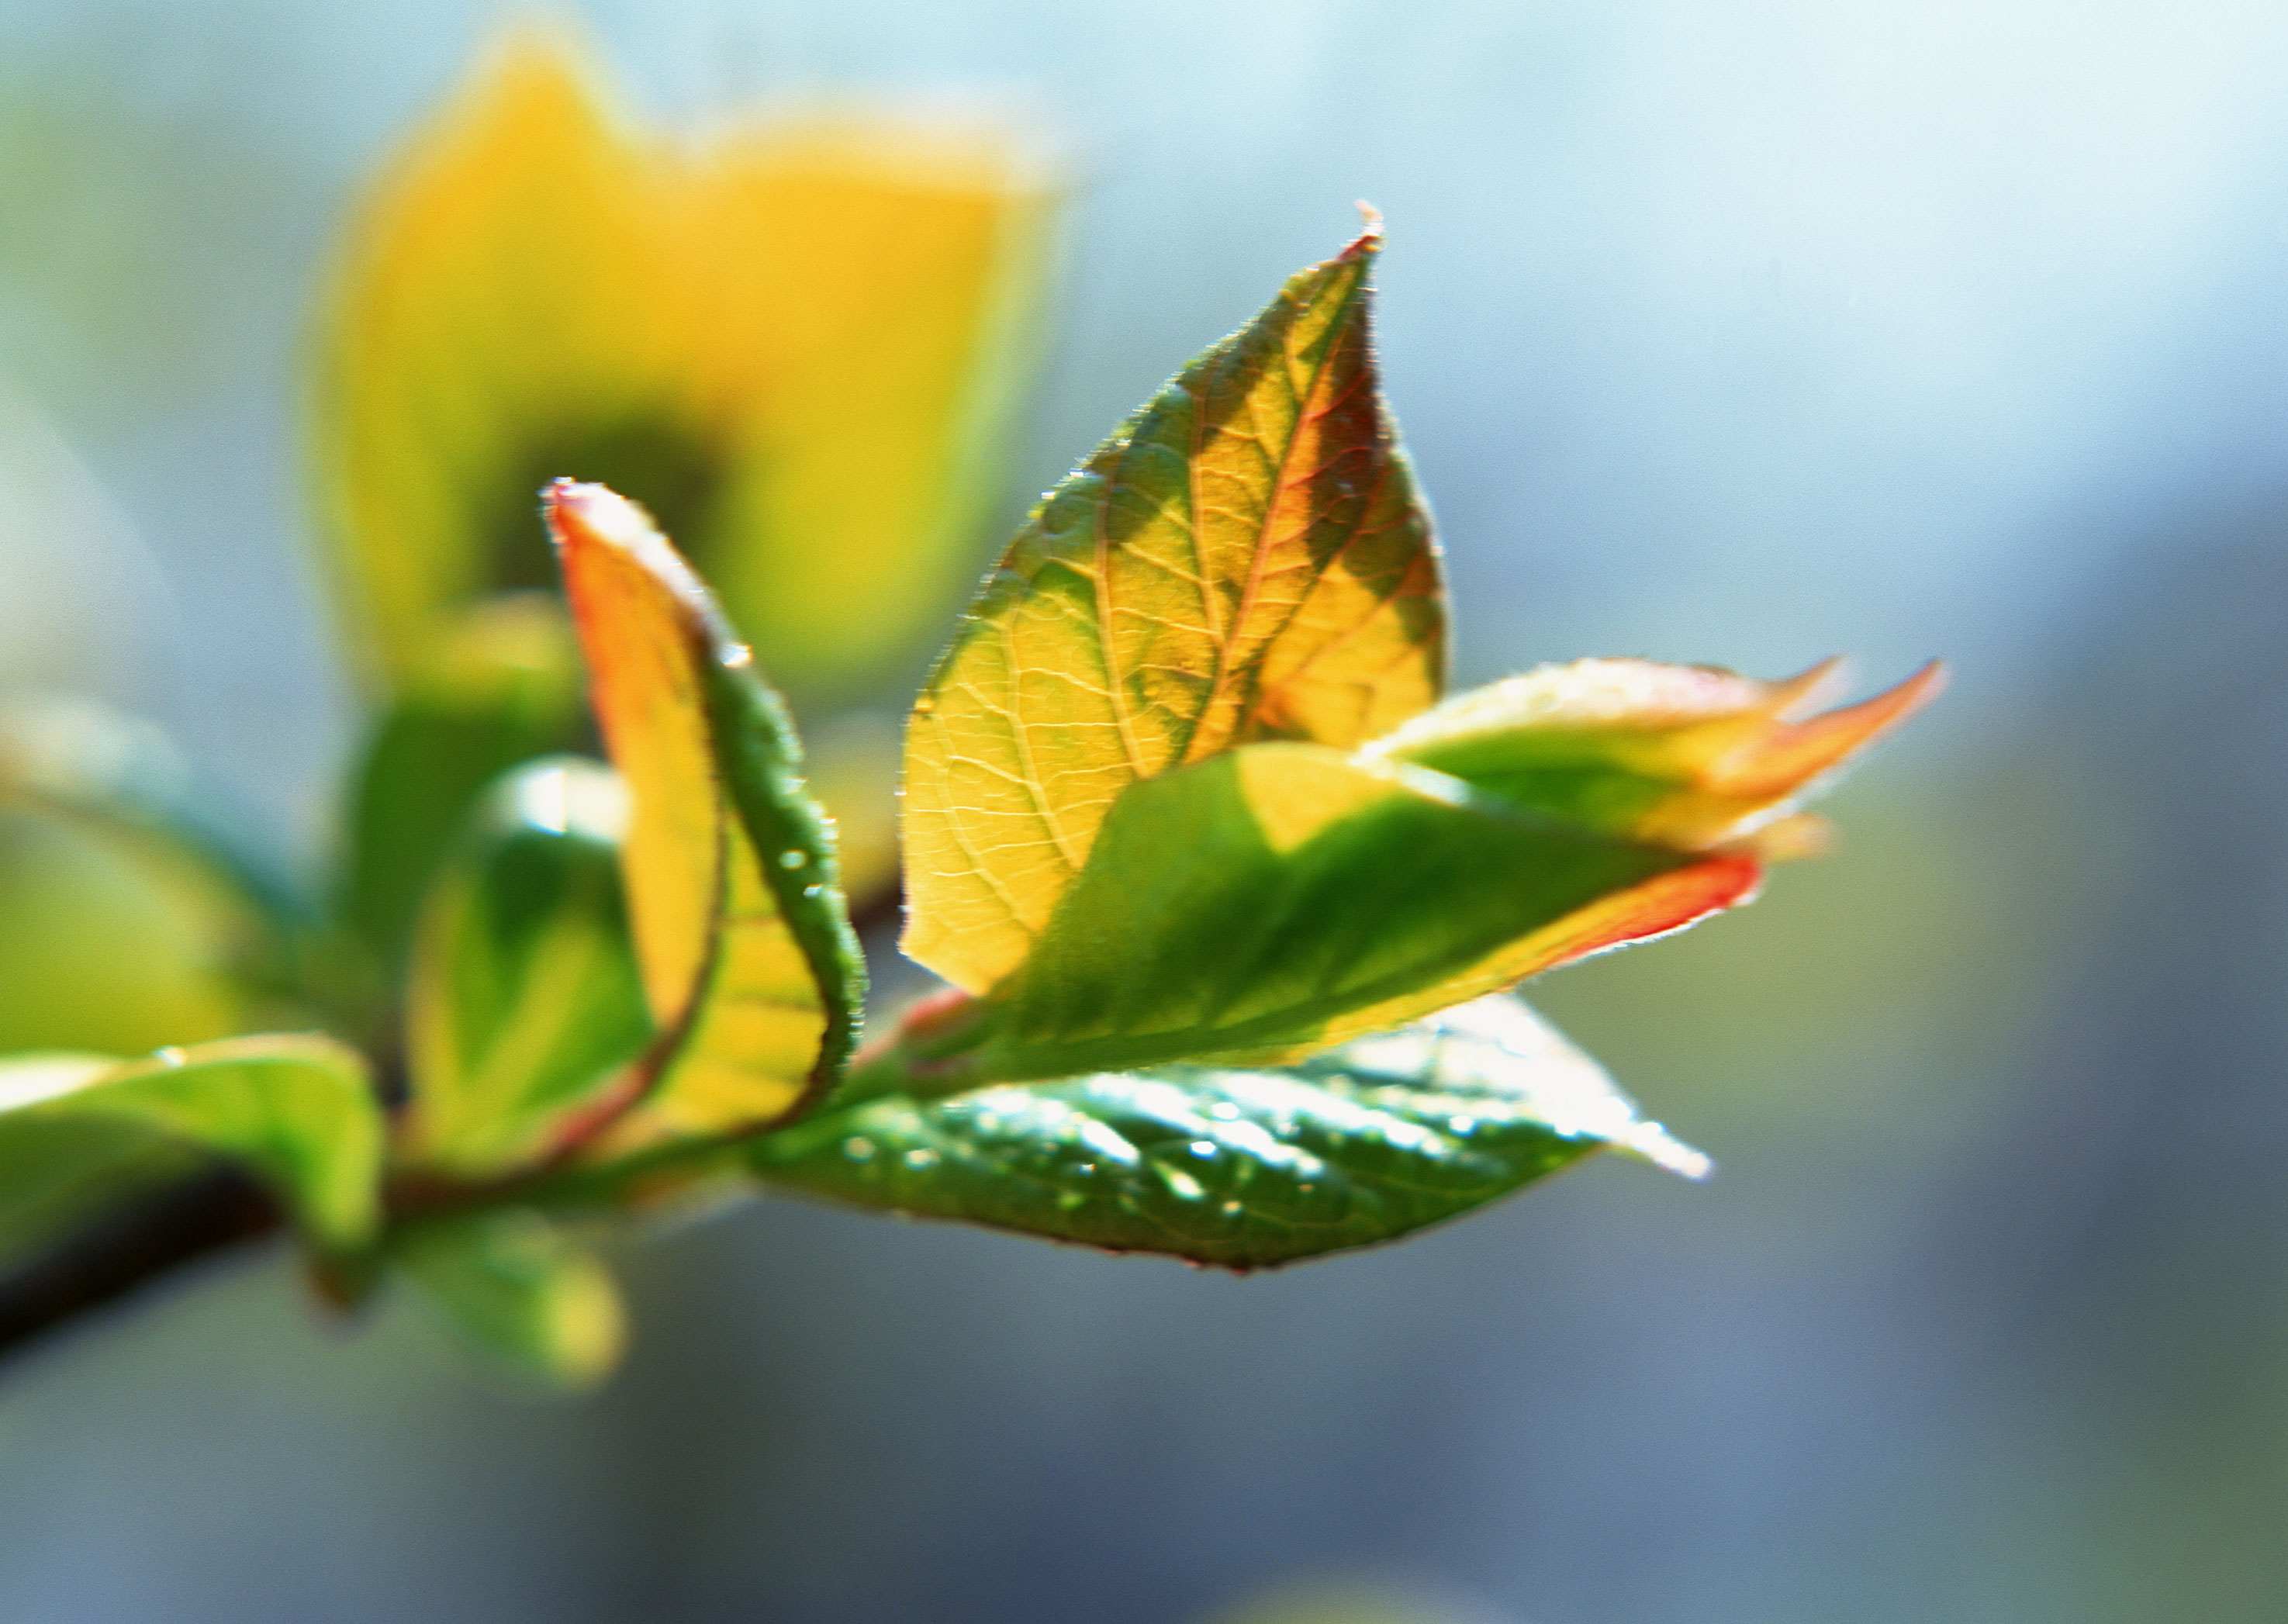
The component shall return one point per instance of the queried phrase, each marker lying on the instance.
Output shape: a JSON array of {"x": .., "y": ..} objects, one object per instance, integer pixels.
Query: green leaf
[
  {"x": 57, "y": 1173},
  {"x": 132, "y": 912},
  {"x": 1245, "y": 559},
  {"x": 525, "y": 1002},
  {"x": 297, "y": 1112},
  {"x": 1282, "y": 897},
  {"x": 750, "y": 966},
  {"x": 520, "y": 1290},
  {"x": 1687, "y": 756},
  {"x": 499, "y": 686},
  {"x": 1240, "y": 1169}
]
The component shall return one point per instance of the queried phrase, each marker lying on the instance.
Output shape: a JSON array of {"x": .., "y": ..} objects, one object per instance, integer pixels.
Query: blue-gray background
[{"x": 1742, "y": 333}]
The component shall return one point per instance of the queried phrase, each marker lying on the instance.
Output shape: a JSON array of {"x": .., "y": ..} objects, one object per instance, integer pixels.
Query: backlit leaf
[
  {"x": 1687, "y": 757},
  {"x": 861, "y": 306},
  {"x": 798, "y": 344},
  {"x": 750, "y": 967},
  {"x": 299, "y": 1113},
  {"x": 1282, "y": 897},
  {"x": 1241, "y": 1168},
  {"x": 1245, "y": 559},
  {"x": 521, "y": 1291},
  {"x": 525, "y": 1001}
]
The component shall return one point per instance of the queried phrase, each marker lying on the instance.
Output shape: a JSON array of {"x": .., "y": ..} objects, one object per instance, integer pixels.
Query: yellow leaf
[
  {"x": 497, "y": 295},
  {"x": 746, "y": 957},
  {"x": 795, "y": 346},
  {"x": 859, "y": 300},
  {"x": 1246, "y": 559}
]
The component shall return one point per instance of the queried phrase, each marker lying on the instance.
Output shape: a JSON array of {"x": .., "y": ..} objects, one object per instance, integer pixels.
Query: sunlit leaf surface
[
  {"x": 520, "y": 1290},
  {"x": 1283, "y": 897},
  {"x": 298, "y": 1112},
  {"x": 1241, "y": 1168},
  {"x": 1687, "y": 756},
  {"x": 749, "y": 967},
  {"x": 1246, "y": 558},
  {"x": 525, "y": 1002},
  {"x": 798, "y": 344}
]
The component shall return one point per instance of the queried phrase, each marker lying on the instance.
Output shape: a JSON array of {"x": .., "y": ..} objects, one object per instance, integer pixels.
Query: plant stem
[
  {"x": 129, "y": 1247},
  {"x": 138, "y": 1242}
]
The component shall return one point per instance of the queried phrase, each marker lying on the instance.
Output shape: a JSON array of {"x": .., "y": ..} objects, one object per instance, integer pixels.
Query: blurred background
[{"x": 1741, "y": 335}]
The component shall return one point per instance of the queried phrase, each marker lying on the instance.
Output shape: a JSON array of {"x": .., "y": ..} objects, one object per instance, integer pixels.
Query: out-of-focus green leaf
[
  {"x": 1280, "y": 897},
  {"x": 1687, "y": 757},
  {"x": 57, "y": 1173},
  {"x": 525, "y": 1000},
  {"x": 798, "y": 344},
  {"x": 132, "y": 914},
  {"x": 750, "y": 966},
  {"x": 499, "y": 686},
  {"x": 1240, "y": 1169},
  {"x": 1245, "y": 559},
  {"x": 516, "y": 1287},
  {"x": 56, "y": 1176},
  {"x": 298, "y": 1112}
]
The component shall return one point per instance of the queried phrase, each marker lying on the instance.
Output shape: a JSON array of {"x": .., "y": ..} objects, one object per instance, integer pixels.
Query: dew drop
[
  {"x": 1462, "y": 1124},
  {"x": 858, "y": 1148},
  {"x": 1203, "y": 1148},
  {"x": 920, "y": 1159},
  {"x": 1231, "y": 1209},
  {"x": 811, "y": 890},
  {"x": 1180, "y": 1185},
  {"x": 793, "y": 858},
  {"x": 1224, "y": 1111}
]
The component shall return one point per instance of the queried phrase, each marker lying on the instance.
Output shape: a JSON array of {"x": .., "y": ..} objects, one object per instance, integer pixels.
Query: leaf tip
[
  {"x": 1655, "y": 1146},
  {"x": 577, "y": 511},
  {"x": 1789, "y": 757},
  {"x": 587, "y": 521}
]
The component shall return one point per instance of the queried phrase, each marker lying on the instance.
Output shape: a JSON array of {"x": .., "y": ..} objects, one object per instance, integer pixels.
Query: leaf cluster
[{"x": 1225, "y": 895}]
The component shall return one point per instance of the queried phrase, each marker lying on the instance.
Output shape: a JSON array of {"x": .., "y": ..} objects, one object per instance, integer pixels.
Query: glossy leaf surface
[
  {"x": 1246, "y": 558},
  {"x": 1283, "y": 897},
  {"x": 513, "y": 1285},
  {"x": 798, "y": 344},
  {"x": 1687, "y": 756},
  {"x": 749, "y": 967},
  {"x": 297, "y": 1112},
  {"x": 1241, "y": 1168},
  {"x": 500, "y": 685},
  {"x": 526, "y": 1001}
]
